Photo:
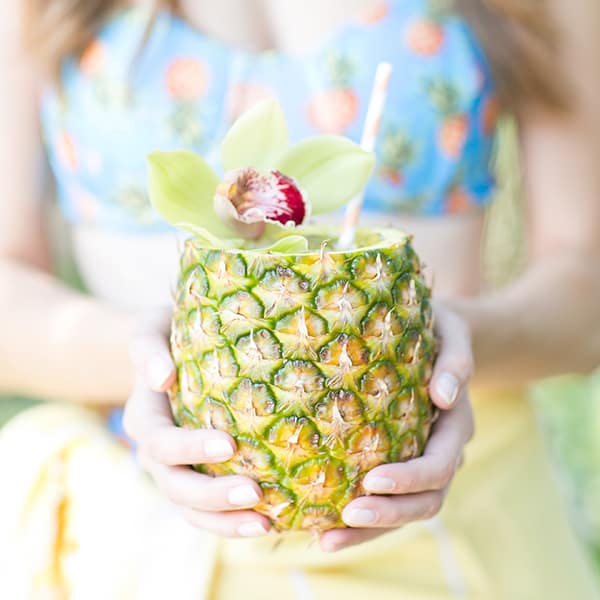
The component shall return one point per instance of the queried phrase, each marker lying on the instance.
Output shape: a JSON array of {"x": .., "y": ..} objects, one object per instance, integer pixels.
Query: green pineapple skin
[{"x": 317, "y": 363}]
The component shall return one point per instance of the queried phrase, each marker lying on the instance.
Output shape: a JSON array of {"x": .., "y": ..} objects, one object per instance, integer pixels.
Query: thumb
[
  {"x": 149, "y": 350},
  {"x": 454, "y": 364}
]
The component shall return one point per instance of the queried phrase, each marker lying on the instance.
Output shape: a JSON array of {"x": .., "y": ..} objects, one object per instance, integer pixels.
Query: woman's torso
[{"x": 194, "y": 77}]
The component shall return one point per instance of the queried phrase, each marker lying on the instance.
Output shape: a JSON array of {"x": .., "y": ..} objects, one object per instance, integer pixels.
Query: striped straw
[{"x": 369, "y": 137}]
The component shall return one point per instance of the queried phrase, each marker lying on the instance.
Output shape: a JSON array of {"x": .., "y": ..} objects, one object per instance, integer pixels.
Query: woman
[{"x": 77, "y": 519}]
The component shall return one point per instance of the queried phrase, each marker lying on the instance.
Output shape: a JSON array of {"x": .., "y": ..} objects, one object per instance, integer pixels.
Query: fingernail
[
  {"x": 447, "y": 387},
  {"x": 218, "y": 449},
  {"x": 360, "y": 516},
  {"x": 159, "y": 370},
  {"x": 252, "y": 529},
  {"x": 380, "y": 485},
  {"x": 243, "y": 495}
]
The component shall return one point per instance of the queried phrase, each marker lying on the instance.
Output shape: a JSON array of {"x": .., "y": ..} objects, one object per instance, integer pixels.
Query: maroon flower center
[{"x": 251, "y": 197}]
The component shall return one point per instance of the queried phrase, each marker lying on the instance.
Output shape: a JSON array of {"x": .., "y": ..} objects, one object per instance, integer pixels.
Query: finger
[
  {"x": 338, "y": 539},
  {"x": 392, "y": 511},
  {"x": 237, "y": 524},
  {"x": 454, "y": 363},
  {"x": 145, "y": 411},
  {"x": 170, "y": 445},
  {"x": 189, "y": 489},
  {"x": 149, "y": 350},
  {"x": 148, "y": 420},
  {"x": 436, "y": 468}
]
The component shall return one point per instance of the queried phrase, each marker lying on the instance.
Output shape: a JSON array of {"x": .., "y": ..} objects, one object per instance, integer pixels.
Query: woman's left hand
[{"x": 415, "y": 490}]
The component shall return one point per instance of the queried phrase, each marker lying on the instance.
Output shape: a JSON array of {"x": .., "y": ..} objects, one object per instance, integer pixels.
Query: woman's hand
[
  {"x": 413, "y": 490},
  {"x": 165, "y": 450},
  {"x": 416, "y": 489}
]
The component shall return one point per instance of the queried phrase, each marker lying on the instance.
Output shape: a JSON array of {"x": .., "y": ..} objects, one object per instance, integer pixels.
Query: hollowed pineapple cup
[{"x": 316, "y": 362}]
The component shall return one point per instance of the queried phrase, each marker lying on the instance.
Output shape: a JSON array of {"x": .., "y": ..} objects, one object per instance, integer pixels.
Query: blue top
[{"x": 183, "y": 88}]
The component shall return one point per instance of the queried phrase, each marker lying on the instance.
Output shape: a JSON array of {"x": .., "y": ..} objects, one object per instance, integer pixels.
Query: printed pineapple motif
[
  {"x": 109, "y": 91},
  {"x": 66, "y": 151},
  {"x": 490, "y": 115},
  {"x": 316, "y": 363},
  {"x": 425, "y": 36},
  {"x": 85, "y": 204},
  {"x": 452, "y": 135},
  {"x": 397, "y": 151},
  {"x": 244, "y": 96},
  {"x": 92, "y": 59},
  {"x": 458, "y": 201},
  {"x": 186, "y": 81},
  {"x": 186, "y": 124},
  {"x": 458, "y": 198},
  {"x": 375, "y": 14},
  {"x": 134, "y": 199},
  {"x": 333, "y": 110}
]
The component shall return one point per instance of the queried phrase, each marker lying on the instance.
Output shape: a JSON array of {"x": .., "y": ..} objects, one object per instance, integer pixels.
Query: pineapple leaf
[
  {"x": 208, "y": 240},
  {"x": 182, "y": 187},
  {"x": 330, "y": 170},
  {"x": 257, "y": 139},
  {"x": 288, "y": 245}
]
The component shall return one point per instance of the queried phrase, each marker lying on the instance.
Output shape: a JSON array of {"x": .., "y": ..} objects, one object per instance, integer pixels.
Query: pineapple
[
  {"x": 317, "y": 363},
  {"x": 315, "y": 359}
]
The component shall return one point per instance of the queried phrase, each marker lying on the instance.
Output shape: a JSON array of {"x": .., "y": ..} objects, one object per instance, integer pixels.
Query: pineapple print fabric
[{"x": 185, "y": 89}]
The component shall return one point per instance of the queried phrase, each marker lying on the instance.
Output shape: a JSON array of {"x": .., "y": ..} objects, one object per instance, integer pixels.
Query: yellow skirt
[{"x": 78, "y": 521}]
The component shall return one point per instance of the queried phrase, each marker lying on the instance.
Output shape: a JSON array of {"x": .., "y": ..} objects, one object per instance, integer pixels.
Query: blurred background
[{"x": 568, "y": 407}]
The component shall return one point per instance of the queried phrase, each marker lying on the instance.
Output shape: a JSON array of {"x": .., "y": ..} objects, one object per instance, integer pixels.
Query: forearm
[
  {"x": 545, "y": 323},
  {"x": 56, "y": 343}
]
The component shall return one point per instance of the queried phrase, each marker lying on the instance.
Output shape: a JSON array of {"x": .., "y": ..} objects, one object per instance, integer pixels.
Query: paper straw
[{"x": 369, "y": 137}]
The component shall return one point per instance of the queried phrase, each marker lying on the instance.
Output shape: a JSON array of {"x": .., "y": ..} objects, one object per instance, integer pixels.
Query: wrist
[
  {"x": 105, "y": 333},
  {"x": 488, "y": 327}
]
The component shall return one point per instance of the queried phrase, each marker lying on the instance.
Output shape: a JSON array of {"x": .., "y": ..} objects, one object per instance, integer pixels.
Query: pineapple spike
[
  {"x": 344, "y": 305},
  {"x": 336, "y": 381},
  {"x": 304, "y": 338},
  {"x": 412, "y": 293},
  {"x": 324, "y": 261},
  {"x": 415, "y": 356},
  {"x": 386, "y": 338},
  {"x": 222, "y": 268},
  {"x": 379, "y": 267}
]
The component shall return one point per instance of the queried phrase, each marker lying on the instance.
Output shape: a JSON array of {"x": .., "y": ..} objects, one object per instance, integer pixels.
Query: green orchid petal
[
  {"x": 182, "y": 186},
  {"x": 257, "y": 139},
  {"x": 288, "y": 245},
  {"x": 330, "y": 170},
  {"x": 208, "y": 240}
]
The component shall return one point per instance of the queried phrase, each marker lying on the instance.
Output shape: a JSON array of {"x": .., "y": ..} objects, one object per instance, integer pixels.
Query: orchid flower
[{"x": 265, "y": 180}]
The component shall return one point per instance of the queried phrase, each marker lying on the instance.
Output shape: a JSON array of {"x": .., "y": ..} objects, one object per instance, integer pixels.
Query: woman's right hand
[{"x": 221, "y": 505}]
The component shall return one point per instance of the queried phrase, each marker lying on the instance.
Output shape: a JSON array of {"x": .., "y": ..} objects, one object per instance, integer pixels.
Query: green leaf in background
[
  {"x": 288, "y": 245},
  {"x": 257, "y": 139},
  {"x": 181, "y": 186},
  {"x": 330, "y": 170}
]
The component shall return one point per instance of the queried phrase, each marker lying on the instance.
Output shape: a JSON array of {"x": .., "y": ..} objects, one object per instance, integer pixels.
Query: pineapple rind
[{"x": 316, "y": 363}]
